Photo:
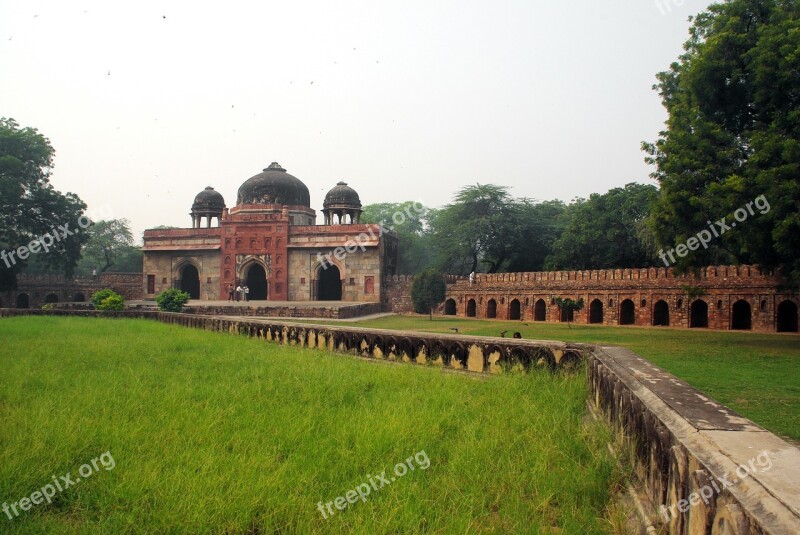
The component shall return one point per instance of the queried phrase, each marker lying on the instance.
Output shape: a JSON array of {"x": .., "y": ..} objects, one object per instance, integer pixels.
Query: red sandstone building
[{"x": 271, "y": 243}]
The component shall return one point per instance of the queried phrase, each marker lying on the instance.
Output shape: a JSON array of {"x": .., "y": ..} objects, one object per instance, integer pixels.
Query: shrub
[
  {"x": 172, "y": 300},
  {"x": 427, "y": 291},
  {"x": 108, "y": 299},
  {"x": 568, "y": 307}
]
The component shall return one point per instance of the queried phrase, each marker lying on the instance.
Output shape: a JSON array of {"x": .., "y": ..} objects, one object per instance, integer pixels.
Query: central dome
[{"x": 274, "y": 186}]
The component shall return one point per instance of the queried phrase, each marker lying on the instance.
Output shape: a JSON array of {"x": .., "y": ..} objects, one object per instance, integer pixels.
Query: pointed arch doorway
[
  {"x": 256, "y": 281},
  {"x": 329, "y": 283}
]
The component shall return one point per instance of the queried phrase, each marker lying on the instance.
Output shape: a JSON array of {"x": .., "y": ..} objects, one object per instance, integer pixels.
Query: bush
[
  {"x": 172, "y": 300},
  {"x": 427, "y": 291},
  {"x": 108, "y": 299}
]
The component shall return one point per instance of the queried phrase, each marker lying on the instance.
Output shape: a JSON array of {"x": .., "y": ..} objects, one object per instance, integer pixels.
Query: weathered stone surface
[
  {"x": 733, "y": 297},
  {"x": 35, "y": 289},
  {"x": 688, "y": 457}
]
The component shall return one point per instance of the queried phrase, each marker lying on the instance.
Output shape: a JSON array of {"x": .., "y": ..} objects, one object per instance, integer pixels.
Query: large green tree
[
  {"x": 605, "y": 231},
  {"x": 539, "y": 225},
  {"x": 427, "y": 291},
  {"x": 30, "y": 207},
  {"x": 110, "y": 248},
  {"x": 732, "y": 136},
  {"x": 410, "y": 220},
  {"x": 478, "y": 228}
]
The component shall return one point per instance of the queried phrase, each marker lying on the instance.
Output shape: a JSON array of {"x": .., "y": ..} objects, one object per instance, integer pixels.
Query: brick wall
[
  {"x": 37, "y": 288},
  {"x": 733, "y": 297},
  {"x": 397, "y": 294}
]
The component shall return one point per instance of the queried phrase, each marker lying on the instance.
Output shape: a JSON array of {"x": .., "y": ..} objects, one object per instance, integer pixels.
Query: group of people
[{"x": 241, "y": 293}]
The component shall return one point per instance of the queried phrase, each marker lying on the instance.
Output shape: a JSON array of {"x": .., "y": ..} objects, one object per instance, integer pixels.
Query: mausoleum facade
[{"x": 270, "y": 242}]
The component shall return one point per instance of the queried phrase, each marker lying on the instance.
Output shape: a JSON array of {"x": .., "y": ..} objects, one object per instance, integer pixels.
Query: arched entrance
[
  {"x": 256, "y": 282},
  {"x": 596, "y": 311},
  {"x": 471, "y": 308},
  {"x": 491, "y": 309},
  {"x": 741, "y": 318},
  {"x": 79, "y": 298},
  {"x": 698, "y": 315},
  {"x": 450, "y": 307},
  {"x": 329, "y": 283},
  {"x": 23, "y": 301},
  {"x": 514, "y": 310},
  {"x": 787, "y": 317},
  {"x": 661, "y": 314},
  {"x": 540, "y": 311},
  {"x": 627, "y": 312},
  {"x": 190, "y": 281},
  {"x": 51, "y": 298}
]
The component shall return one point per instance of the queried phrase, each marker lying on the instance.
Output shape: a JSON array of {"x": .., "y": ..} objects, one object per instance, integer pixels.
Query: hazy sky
[{"x": 147, "y": 103}]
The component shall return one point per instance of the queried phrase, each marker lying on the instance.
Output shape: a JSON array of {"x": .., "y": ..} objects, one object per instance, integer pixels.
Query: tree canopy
[
  {"x": 605, "y": 231},
  {"x": 732, "y": 135},
  {"x": 410, "y": 220},
  {"x": 427, "y": 291},
  {"x": 476, "y": 228},
  {"x": 485, "y": 229},
  {"x": 110, "y": 247},
  {"x": 29, "y": 205}
]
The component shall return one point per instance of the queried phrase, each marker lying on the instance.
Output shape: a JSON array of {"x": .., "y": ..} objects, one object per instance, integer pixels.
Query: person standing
[
  {"x": 230, "y": 292},
  {"x": 238, "y": 292},
  {"x": 246, "y": 293}
]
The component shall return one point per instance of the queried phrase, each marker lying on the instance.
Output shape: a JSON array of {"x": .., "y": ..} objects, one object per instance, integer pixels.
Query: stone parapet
[{"x": 702, "y": 467}]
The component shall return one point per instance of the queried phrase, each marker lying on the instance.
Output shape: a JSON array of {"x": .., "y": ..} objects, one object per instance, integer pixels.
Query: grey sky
[{"x": 146, "y": 103}]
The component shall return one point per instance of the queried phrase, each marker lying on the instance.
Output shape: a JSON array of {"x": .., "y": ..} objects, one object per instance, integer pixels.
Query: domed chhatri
[
  {"x": 340, "y": 202},
  {"x": 274, "y": 186},
  {"x": 208, "y": 203}
]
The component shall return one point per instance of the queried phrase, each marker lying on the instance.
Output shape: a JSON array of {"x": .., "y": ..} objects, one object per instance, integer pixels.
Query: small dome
[
  {"x": 342, "y": 196},
  {"x": 208, "y": 200},
  {"x": 274, "y": 186}
]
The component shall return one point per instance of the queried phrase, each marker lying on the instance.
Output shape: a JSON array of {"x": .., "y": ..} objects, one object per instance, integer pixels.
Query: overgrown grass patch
[
  {"x": 756, "y": 374},
  {"x": 214, "y": 433}
]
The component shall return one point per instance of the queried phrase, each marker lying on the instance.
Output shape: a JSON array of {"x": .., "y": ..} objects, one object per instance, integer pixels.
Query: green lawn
[
  {"x": 758, "y": 375},
  {"x": 214, "y": 433}
]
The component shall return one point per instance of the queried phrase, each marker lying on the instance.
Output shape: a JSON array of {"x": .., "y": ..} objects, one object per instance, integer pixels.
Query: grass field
[
  {"x": 758, "y": 375},
  {"x": 213, "y": 433}
]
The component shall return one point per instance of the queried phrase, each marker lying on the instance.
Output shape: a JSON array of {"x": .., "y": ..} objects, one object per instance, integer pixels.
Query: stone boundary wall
[
  {"x": 478, "y": 354},
  {"x": 396, "y": 295},
  {"x": 703, "y": 468},
  {"x": 397, "y": 292},
  {"x": 35, "y": 289},
  {"x": 731, "y": 297},
  {"x": 346, "y": 311}
]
